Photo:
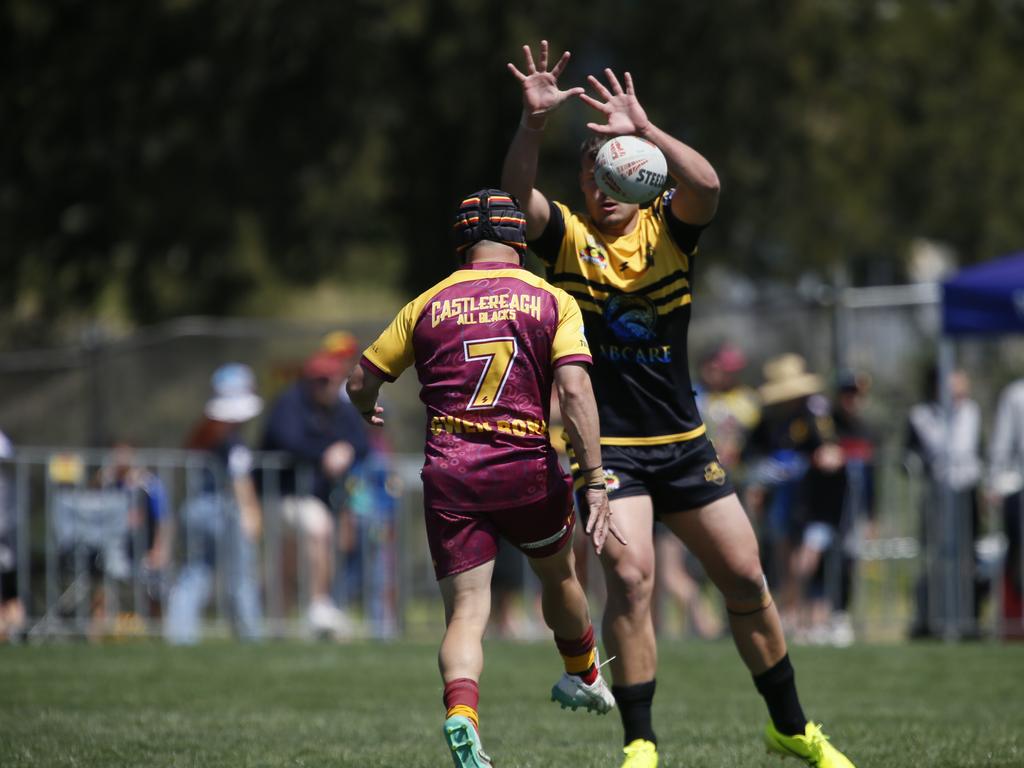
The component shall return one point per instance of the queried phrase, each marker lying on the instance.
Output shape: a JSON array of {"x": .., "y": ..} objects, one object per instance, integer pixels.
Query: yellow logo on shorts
[
  {"x": 611, "y": 480},
  {"x": 713, "y": 473}
]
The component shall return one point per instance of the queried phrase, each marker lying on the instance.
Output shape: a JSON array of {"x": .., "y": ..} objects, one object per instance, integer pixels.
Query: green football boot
[{"x": 464, "y": 742}]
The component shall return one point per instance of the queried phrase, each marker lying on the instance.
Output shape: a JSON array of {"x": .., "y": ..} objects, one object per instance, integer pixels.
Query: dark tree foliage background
[{"x": 176, "y": 156}]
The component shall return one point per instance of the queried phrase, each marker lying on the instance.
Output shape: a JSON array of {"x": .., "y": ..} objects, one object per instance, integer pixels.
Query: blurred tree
[{"x": 183, "y": 156}]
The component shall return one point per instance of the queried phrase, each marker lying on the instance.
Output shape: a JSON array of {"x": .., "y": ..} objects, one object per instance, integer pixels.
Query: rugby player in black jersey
[{"x": 629, "y": 269}]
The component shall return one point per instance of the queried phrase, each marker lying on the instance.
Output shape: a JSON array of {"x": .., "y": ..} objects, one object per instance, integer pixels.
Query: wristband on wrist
[{"x": 596, "y": 487}]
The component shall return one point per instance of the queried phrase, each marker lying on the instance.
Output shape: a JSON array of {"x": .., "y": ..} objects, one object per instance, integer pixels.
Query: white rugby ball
[{"x": 630, "y": 169}]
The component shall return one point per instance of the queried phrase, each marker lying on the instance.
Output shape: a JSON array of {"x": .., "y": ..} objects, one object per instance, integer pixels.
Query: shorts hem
[
  {"x": 628, "y": 493},
  {"x": 463, "y": 567},
  {"x": 710, "y": 499}
]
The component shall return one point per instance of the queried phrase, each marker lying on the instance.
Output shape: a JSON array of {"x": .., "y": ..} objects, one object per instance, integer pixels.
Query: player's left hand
[
  {"x": 599, "y": 522},
  {"x": 623, "y": 113}
]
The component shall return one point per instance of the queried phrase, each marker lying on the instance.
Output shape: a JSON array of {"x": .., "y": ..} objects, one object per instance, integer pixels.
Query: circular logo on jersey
[{"x": 631, "y": 317}]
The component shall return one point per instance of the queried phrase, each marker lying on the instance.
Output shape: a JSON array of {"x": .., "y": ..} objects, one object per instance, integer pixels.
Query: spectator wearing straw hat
[{"x": 797, "y": 481}]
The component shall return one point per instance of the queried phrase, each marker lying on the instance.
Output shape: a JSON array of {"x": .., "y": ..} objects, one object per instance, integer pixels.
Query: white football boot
[{"x": 571, "y": 692}]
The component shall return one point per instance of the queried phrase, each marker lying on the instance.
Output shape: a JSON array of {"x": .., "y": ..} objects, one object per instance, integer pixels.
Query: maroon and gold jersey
[{"x": 485, "y": 342}]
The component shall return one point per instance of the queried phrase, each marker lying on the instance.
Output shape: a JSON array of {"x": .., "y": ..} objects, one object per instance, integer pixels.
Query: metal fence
[
  {"x": 82, "y": 545},
  {"x": 81, "y": 568}
]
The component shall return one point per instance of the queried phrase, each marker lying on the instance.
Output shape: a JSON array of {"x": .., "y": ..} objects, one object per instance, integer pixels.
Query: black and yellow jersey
[{"x": 634, "y": 292}]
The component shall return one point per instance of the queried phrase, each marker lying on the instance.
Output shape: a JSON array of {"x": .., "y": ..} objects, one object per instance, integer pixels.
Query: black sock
[
  {"x": 778, "y": 687},
  {"x": 634, "y": 702}
]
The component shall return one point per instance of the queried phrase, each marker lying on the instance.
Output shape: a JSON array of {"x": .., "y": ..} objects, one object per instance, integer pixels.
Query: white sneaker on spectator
[
  {"x": 841, "y": 630},
  {"x": 326, "y": 619}
]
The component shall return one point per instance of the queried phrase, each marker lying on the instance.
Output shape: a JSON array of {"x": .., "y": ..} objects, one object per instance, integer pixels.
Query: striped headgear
[{"x": 490, "y": 214}]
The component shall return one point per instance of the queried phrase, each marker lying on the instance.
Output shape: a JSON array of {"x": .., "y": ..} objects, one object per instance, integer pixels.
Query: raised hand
[
  {"x": 541, "y": 93},
  {"x": 623, "y": 113}
]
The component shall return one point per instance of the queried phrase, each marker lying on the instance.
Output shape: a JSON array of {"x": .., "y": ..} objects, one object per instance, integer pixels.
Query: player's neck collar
[{"x": 490, "y": 265}]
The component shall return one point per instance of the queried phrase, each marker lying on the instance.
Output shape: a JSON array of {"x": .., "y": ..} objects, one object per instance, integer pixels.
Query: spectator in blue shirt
[{"x": 325, "y": 437}]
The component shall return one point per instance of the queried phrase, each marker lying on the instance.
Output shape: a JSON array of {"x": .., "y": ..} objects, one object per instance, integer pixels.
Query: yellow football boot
[
  {"x": 812, "y": 747},
  {"x": 640, "y": 753}
]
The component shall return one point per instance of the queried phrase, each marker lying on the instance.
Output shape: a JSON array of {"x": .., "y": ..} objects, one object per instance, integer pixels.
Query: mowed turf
[{"x": 379, "y": 704}]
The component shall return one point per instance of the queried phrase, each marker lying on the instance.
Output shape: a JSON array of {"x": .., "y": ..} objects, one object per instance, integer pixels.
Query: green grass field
[{"x": 378, "y": 704}]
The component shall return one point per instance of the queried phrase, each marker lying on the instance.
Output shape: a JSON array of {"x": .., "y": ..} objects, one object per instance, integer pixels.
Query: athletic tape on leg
[{"x": 744, "y": 606}]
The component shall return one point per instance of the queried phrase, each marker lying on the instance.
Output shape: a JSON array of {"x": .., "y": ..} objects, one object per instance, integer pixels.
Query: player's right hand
[
  {"x": 541, "y": 93},
  {"x": 599, "y": 522},
  {"x": 374, "y": 417}
]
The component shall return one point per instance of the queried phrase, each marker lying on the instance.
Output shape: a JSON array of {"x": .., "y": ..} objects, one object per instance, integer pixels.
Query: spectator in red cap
[{"x": 325, "y": 437}]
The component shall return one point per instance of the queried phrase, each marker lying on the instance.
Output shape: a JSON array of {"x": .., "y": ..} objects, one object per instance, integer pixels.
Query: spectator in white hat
[{"x": 222, "y": 517}]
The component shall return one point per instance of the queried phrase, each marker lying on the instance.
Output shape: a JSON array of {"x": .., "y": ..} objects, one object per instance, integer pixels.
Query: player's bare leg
[
  {"x": 563, "y": 602},
  {"x": 467, "y": 606},
  {"x": 629, "y": 576},
  {"x": 720, "y": 535},
  {"x": 565, "y": 609},
  {"x": 628, "y": 626}
]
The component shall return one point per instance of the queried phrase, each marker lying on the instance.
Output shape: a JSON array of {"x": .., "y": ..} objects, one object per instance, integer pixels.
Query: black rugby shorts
[{"x": 677, "y": 476}]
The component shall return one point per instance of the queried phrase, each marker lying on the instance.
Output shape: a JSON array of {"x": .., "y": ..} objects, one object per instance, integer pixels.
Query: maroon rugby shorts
[{"x": 461, "y": 540}]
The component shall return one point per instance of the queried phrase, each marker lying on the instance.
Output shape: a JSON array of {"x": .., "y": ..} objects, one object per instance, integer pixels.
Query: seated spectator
[
  {"x": 147, "y": 542},
  {"x": 325, "y": 437}
]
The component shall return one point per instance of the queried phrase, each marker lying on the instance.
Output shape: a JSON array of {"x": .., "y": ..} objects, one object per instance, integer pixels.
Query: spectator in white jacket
[
  {"x": 1005, "y": 484},
  {"x": 948, "y": 458}
]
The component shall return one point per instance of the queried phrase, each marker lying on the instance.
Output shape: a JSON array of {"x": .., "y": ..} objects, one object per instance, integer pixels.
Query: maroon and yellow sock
[
  {"x": 580, "y": 655},
  {"x": 462, "y": 697}
]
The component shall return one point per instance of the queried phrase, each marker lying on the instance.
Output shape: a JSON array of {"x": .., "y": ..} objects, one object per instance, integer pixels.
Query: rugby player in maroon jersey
[{"x": 489, "y": 343}]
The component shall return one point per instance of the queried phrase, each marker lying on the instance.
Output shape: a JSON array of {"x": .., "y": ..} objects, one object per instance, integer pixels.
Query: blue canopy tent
[
  {"x": 982, "y": 300},
  {"x": 986, "y": 299}
]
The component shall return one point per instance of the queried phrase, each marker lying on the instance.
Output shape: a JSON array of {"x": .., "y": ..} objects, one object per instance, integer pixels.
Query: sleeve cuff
[
  {"x": 574, "y": 358},
  {"x": 375, "y": 370}
]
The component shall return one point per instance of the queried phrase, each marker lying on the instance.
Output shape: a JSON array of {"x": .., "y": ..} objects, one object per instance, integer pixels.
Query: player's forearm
[
  {"x": 698, "y": 185},
  {"x": 579, "y": 413},
  {"x": 519, "y": 173},
  {"x": 363, "y": 389}
]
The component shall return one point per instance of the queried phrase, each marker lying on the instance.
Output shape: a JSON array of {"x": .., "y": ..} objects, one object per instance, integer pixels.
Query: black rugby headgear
[{"x": 490, "y": 214}]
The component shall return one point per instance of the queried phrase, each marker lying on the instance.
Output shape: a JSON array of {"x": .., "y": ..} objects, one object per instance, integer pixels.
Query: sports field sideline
[{"x": 370, "y": 704}]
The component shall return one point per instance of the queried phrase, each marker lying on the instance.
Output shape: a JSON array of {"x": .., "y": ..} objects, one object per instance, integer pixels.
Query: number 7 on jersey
[{"x": 498, "y": 354}]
